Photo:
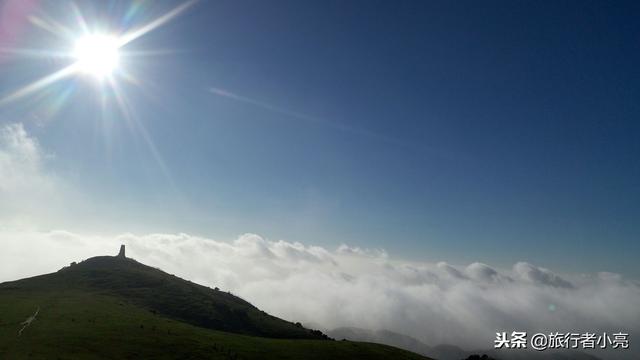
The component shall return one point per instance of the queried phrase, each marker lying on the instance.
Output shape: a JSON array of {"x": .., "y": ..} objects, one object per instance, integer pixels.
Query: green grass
[
  {"x": 83, "y": 321},
  {"x": 168, "y": 295}
]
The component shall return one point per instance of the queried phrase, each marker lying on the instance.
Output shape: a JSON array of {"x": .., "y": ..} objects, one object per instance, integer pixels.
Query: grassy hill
[{"x": 116, "y": 308}]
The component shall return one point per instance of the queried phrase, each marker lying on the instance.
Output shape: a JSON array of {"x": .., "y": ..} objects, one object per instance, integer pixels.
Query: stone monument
[{"x": 121, "y": 253}]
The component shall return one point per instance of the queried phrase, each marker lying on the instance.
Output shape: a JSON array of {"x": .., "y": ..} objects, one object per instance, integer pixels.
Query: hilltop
[{"x": 116, "y": 307}]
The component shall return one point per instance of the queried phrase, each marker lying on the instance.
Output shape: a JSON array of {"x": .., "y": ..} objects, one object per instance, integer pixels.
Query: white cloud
[
  {"x": 27, "y": 190},
  {"x": 537, "y": 275},
  {"x": 438, "y": 303}
]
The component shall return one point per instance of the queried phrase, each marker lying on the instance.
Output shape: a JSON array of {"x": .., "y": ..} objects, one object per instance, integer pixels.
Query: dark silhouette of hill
[
  {"x": 381, "y": 337},
  {"x": 167, "y": 295},
  {"x": 117, "y": 308},
  {"x": 446, "y": 351}
]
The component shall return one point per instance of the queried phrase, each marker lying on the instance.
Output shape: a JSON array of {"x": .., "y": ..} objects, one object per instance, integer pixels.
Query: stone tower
[{"x": 121, "y": 253}]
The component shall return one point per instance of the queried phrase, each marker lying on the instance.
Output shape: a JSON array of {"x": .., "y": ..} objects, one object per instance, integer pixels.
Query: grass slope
[
  {"x": 168, "y": 295},
  {"x": 94, "y": 310}
]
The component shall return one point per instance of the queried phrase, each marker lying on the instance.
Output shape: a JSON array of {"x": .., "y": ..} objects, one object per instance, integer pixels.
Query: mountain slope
[
  {"x": 448, "y": 352},
  {"x": 382, "y": 337},
  {"x": 167, "y": 295},
  {"x": 111, "y": 307}
]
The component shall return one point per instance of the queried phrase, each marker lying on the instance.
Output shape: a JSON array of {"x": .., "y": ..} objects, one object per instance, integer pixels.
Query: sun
[
  {"x": 97, "y": 54},
  {"x": 91, "y": 52}
]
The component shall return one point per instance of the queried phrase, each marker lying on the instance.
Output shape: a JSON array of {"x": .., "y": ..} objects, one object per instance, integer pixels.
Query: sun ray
[
  {"x": 139, "y": 128},
  {"x": 154, "y": 52},
  {"x": 39, "y": 84},
  {"x": 52, "y": 27},
  {"x": 35, "y": 53},
  {"x": 79, "y": 18},
  {"x": 136, "y": 33},
  {"x": 130, "y": 78},
  {"x": 304, "y": 117}
]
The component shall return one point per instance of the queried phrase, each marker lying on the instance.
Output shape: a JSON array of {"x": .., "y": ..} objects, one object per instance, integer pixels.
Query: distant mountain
[
  {"x": 445, "y": 351},
  {"x": 381, "y": 337},
  {"x": 117, "y": 308}
]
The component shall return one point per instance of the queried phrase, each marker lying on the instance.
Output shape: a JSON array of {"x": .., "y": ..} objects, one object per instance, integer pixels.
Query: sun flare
[
  {"x": 97, "y": 54},
  {"x": 94, "y": 54}
]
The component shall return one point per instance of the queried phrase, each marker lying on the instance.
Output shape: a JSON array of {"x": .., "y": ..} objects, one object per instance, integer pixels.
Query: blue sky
[{"x": 465, "y": 131}]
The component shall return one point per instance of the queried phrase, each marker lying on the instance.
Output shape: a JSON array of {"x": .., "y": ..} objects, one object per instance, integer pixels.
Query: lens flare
[{"x": 97, "y": 54}]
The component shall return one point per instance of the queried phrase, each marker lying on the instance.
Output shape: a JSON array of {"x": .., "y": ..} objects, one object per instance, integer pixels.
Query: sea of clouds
[
  {"x": 326, "y": 288},
  {"x": 434, "y": 302}
]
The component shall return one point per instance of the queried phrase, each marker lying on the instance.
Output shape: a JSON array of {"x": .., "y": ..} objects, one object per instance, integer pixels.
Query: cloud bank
[
  {"x": 437, "y": 303},
  {"x": 27, "y": 190}
]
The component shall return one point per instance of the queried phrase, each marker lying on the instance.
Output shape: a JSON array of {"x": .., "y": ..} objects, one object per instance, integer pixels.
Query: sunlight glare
[{"x": 97, "y": 54}]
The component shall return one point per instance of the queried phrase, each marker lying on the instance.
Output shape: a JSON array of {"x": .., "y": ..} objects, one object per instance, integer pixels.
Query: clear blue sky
[{"x": 492, "y": 131}]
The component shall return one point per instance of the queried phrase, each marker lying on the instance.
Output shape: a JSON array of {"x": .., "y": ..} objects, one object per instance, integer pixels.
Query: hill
[
  {"x": 165, "y": 294},
  {"x": 448, "y": 352},
  {"x": 115, "y": 307}
]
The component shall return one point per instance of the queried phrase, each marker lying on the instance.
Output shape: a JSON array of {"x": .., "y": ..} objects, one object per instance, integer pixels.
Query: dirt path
[{"x": 28, "y": 322}]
